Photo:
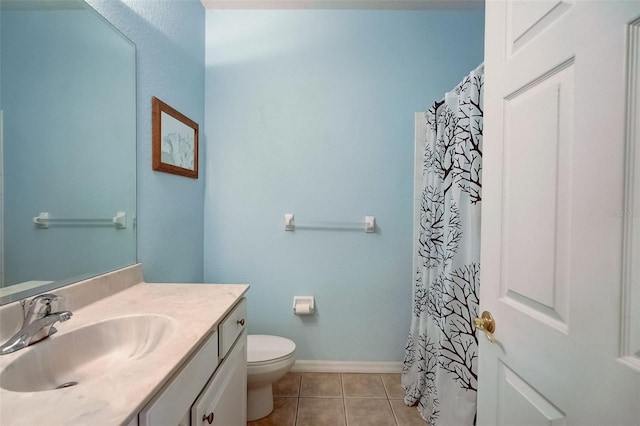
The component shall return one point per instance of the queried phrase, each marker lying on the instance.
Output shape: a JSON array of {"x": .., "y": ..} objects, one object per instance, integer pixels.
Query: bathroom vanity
[
  {"x": 141, "y": 354},
  {"x": 222, "y": 400}
]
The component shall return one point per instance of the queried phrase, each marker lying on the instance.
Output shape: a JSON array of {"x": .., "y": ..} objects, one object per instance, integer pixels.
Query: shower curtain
[{"x": 440, "y": 365}]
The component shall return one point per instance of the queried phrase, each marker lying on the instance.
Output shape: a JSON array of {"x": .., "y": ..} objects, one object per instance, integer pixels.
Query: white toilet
[{"x": 269, "y": 358}]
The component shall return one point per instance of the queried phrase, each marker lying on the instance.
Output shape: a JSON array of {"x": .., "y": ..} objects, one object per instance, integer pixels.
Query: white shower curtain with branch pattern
[{"x": 440, "y": 365}]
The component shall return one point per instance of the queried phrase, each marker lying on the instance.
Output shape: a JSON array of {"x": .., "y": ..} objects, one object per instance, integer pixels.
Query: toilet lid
[{"x": 262, "y": 348}]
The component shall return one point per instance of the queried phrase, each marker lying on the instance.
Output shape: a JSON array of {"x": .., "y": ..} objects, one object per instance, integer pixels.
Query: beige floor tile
[
  {"x": 405, "y": 415},
  {"x": 289, "y": 385},
  {"x": 363, "y": 386},
  {"x": 321, "y": 412},
  {"x": 392, "y": 386},
  {"x": 321, "y": 384},
  {"x": 369, "y": 412},
  {"x": 332, "y": 399},
  {"x": 283, "y": 414}
]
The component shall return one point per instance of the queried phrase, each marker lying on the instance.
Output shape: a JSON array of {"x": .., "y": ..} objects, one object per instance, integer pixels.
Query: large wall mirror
[{"x": 67, "y": 145}]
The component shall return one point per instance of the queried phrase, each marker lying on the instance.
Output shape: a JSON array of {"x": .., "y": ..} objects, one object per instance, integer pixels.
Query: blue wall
[
  {"x": 311, "y": 113},
  {"x": 169, "y": 38}
]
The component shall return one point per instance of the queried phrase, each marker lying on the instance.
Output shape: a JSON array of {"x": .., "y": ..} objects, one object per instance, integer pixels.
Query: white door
[{"x": 559, "y": 273}]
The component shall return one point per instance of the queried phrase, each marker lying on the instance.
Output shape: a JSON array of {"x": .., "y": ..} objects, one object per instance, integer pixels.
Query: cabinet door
[
  {"x": 167, "y": 407},
  {"x": 223, "y": 402}
]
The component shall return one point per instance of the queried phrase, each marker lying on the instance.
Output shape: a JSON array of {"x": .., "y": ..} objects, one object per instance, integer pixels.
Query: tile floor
[{"x": 334, "y": 399}]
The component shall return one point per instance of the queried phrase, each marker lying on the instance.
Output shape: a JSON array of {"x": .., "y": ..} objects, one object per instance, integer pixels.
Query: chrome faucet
[{"x": 37, "y": 324}]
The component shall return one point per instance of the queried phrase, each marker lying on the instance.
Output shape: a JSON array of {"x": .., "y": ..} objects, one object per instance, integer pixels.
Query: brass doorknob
[{"x": 487, "y": 324}]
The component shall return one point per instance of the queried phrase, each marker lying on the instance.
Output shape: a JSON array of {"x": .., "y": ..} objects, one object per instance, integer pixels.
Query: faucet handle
[
  {"x": 44, "y": 298},
  {"x": 41, "y": 305},
  {"x": 47, "y": 297}
]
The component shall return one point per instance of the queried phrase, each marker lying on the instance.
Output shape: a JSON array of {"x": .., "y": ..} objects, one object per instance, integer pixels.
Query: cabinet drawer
[
  {"x": 170, "y": 404},
  {"x": 231, "y": 327}
]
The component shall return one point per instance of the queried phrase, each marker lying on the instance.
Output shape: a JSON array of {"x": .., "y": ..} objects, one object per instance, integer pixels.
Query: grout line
[
  {"x": 366, "y": 397},
  {"x": 295, "y": 417},
  {"x": 384, "y": 386},
  {"x": 344, "y": 407},
  {"x": 393, "y": 413}
]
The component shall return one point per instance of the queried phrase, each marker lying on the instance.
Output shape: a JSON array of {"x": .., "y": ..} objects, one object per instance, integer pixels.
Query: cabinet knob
[
  {"x": 208, "y": 418},
  {"x": 241, "y": 322}
]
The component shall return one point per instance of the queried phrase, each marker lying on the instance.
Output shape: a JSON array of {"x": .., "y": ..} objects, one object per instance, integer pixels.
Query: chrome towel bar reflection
[
  {"x": 43, "y": 221},
  {"x": 369, "y": 224}
]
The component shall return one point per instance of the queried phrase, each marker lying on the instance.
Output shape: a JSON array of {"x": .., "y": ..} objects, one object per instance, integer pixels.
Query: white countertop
[{"x": 116, "y": 397}]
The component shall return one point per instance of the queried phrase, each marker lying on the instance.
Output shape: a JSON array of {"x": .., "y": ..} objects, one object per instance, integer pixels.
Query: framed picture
[{"x": 175, "y": 141}]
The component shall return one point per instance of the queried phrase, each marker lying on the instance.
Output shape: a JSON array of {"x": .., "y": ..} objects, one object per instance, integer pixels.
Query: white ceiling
[{"x": 343, "y": 4}]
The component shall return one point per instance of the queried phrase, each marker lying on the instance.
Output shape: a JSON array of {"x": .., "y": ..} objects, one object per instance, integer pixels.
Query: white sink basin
[{"x": 87, "y": 353}]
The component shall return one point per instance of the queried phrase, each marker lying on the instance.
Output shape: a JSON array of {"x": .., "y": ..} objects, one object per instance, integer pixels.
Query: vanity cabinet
[{"x": 211, "y": 388}]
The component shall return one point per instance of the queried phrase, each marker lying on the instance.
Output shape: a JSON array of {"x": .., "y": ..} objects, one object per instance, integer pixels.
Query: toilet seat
[{"x": 263, "y": 349}]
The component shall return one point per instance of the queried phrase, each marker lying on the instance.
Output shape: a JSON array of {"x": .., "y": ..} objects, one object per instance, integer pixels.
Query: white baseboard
[{"x": 309, "y": 366}]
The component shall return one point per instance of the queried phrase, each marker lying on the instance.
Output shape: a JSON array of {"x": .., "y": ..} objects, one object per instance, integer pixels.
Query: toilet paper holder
[{"x": 303, "y": 305}]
